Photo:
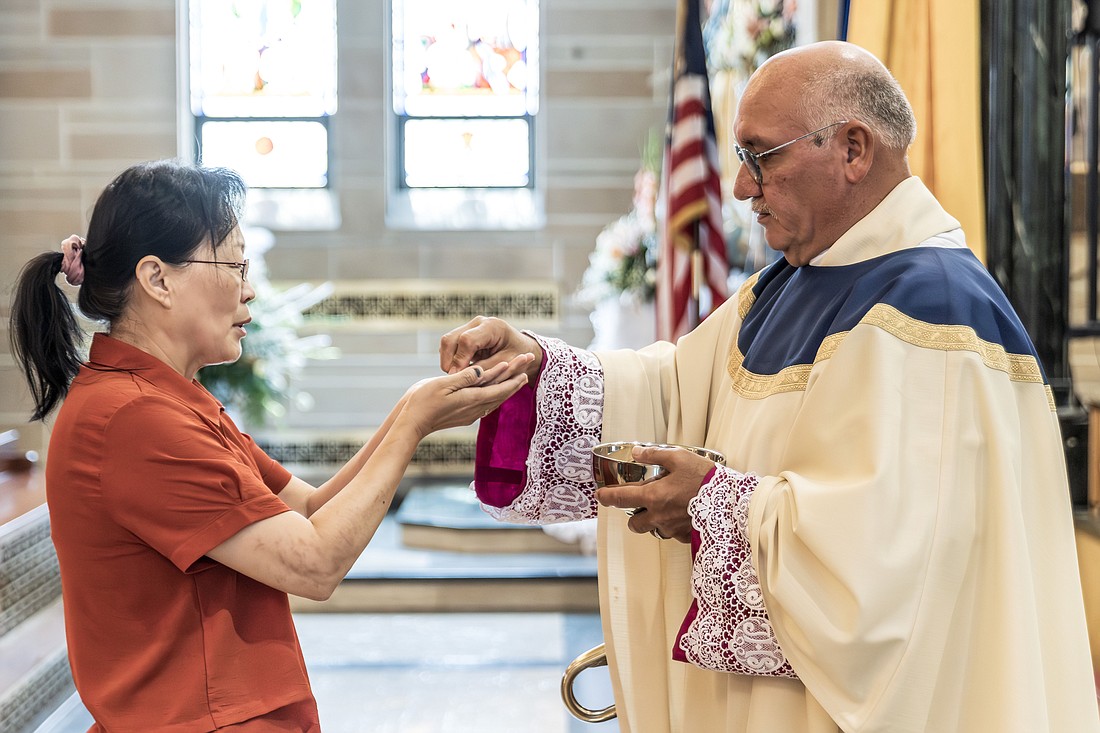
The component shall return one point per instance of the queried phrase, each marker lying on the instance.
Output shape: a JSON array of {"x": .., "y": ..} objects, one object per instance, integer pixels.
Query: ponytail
[
  {"x": 45, "y": 335},
  {"x": 162, "y": 208}
]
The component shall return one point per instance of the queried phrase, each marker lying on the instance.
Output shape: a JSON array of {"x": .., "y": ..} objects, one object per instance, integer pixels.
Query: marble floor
[{"x": 437, "y": 673}]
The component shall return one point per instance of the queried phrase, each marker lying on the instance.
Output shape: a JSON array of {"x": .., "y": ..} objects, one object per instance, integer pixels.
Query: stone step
[
  {"x": 391, "y": 576},
  {"x": 450, "y": 518},
  {"x": 545, "y": 595}
]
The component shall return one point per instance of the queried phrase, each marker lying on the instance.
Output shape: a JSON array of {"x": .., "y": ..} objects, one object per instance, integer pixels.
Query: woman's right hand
[{"x": 465, "y": 396}]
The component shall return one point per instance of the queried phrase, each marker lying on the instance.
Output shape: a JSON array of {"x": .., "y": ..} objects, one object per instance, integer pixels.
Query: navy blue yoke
[{"x": 796, "y": 308}]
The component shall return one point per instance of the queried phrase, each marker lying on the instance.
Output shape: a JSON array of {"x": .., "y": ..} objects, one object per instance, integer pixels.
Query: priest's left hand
[{"x": 662, "y": 503}]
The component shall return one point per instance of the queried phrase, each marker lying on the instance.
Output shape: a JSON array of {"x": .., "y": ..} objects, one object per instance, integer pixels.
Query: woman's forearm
[{"x": 353, "y": 467}]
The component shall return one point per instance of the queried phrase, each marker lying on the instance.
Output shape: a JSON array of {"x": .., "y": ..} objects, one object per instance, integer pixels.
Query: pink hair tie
[{"x": 72, "y": 264}]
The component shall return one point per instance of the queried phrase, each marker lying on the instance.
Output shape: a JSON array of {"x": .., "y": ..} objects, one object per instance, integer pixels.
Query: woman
[{"x": 178, "y": 538}]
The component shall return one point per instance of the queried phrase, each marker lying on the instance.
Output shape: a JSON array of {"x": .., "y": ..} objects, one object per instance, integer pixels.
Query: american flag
[{"x": 693, "y": 249}]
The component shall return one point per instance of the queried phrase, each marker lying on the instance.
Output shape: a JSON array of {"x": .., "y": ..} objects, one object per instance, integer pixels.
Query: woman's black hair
[{"x": 164, "y": 208}]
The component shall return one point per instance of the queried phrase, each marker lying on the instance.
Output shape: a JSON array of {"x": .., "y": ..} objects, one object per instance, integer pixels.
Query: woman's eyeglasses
[{"x": 242, "y": 266}]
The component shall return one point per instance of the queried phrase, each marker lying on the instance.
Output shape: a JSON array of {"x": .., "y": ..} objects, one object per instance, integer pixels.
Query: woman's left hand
[{"x": 461, "y": 398}]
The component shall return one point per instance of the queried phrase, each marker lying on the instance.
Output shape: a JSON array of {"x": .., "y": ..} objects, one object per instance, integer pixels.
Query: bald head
[
  {"x": 835, "y": 129},
  {"x": 834, "y": 80},
  {"x": 825, "y": 54}
]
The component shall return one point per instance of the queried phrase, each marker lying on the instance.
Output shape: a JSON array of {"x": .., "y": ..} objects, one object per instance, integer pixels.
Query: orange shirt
[{"x": 145, "y": 474}]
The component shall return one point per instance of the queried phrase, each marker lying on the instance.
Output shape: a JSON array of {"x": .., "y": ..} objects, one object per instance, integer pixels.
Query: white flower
[
  {"x": 623, "y": 262},
  {"x": 742, "y": 34}
]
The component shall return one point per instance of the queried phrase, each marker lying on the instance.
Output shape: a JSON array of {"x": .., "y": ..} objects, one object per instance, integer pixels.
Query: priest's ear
[{"x": 859, "y": 149}]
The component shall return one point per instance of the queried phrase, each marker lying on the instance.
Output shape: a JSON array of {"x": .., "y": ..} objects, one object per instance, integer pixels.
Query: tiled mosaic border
[
  {"x": 433, "y": 456},
  {"x": 429, "y": 302}
]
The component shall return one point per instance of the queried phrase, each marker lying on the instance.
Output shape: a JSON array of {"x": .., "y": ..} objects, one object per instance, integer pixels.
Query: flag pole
[
  {"x": 696, "y": 261},
  {"x": 696, "y": 280}
]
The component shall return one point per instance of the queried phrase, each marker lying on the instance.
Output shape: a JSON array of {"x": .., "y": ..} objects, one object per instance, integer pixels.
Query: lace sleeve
[
  {"x": 727, "y": 627},
  {"x": 568, "y": 422}
]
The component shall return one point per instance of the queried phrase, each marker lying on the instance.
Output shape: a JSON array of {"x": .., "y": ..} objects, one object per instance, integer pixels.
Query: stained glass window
[
  {"x": 465, "y": 92},
  {"x": 263, "y": 85}
]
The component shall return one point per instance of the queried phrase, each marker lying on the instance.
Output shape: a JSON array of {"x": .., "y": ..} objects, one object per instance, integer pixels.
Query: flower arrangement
[
  {"x": 624, "y": 263},
  {"x": 261, "y": 383},
  {"x": 741, "y": 34}
]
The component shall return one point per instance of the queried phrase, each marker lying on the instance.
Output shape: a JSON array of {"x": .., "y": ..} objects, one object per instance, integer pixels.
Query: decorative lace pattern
[
  {"x": 569, "y": 400},
  {"x": 731, "y": 631}
]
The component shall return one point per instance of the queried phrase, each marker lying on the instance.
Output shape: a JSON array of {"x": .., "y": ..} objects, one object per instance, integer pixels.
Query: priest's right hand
[{"x": 484, "y": 342}]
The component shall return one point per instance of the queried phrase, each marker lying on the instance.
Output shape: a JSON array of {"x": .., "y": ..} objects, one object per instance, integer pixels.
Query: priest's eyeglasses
[
  {"x": 242, "y": 266},
  {"x": 752, "y": 160}
]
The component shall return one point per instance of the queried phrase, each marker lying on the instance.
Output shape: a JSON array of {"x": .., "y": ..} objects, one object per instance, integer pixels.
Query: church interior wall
[{"x": 89, "y": 88}]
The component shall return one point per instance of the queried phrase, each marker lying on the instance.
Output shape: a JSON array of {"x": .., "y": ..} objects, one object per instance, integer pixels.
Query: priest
[{"x": 889, "y": 545}]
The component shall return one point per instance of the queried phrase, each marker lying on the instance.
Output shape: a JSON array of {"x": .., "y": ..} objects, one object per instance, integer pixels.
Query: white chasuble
[{"x": 908, "y": 516}]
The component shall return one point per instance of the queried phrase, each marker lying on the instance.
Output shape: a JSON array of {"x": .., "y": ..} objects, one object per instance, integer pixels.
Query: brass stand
[{"x": 594, "y": 657}]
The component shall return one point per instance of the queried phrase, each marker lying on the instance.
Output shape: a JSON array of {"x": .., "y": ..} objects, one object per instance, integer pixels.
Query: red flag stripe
[{"x": 695, "y": 199}]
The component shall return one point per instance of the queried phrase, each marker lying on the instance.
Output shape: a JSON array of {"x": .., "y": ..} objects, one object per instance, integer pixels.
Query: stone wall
[{"x": 88, "y": 87}]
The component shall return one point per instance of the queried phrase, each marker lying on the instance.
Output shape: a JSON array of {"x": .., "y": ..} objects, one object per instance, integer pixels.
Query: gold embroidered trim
[
  {"x": 758, "y": 386},
  {"x": 1018, "y": 367},
  {"x": 745, "y": 296}
]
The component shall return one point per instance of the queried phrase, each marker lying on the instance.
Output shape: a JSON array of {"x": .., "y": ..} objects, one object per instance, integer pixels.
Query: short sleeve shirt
[{"x": 145, "y": 474}]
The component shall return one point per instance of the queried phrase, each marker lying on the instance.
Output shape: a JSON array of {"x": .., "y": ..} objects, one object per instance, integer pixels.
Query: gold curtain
[{"x": 932, "y": 47}]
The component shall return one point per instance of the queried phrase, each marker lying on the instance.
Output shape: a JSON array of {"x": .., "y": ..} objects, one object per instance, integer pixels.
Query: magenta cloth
[
  {"x": 503, "y": 442},
  {"x": 693, "y": 611},
  {"x": 726, "y": 626}
]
